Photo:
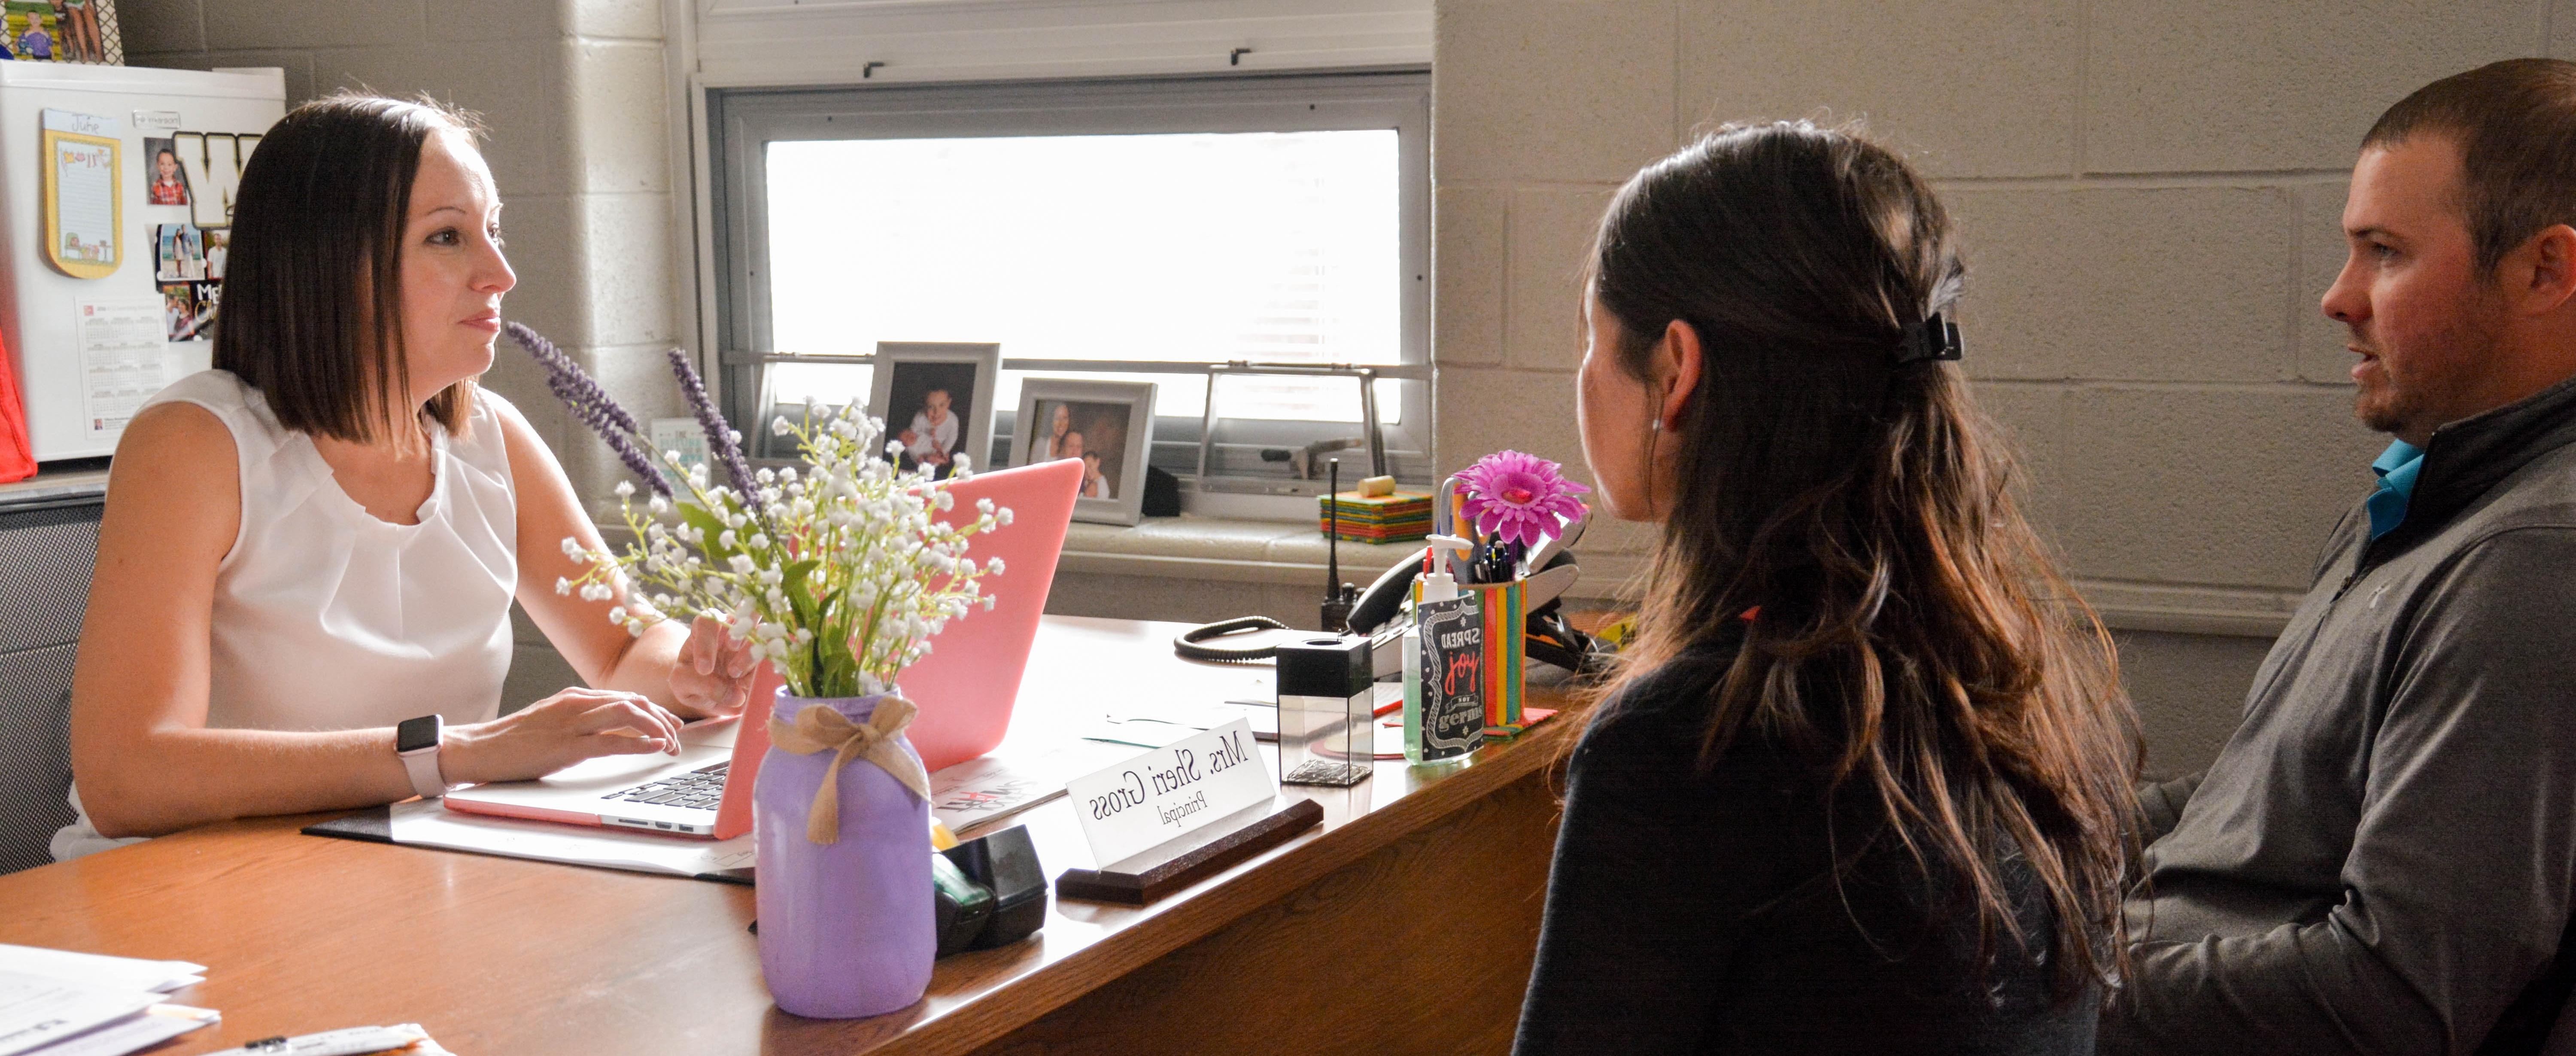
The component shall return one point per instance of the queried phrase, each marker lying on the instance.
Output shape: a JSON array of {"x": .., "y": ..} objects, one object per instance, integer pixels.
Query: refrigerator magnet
[{"x": 83, "y": 195}]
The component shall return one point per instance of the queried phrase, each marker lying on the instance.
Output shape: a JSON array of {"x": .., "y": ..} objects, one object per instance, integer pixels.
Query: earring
[{"x": 1656, "y": 426}]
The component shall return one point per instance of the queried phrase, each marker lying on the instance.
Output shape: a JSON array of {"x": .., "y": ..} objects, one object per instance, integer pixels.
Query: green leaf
[
  {"x": 800, "y": 593},
  {"x": 700, "y": 518}
]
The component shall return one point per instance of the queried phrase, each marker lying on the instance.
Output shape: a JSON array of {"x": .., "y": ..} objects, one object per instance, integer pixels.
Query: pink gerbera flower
[{"x": 1519, "y": 498}]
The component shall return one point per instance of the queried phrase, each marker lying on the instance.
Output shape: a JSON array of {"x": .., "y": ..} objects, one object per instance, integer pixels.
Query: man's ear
[
  {"x": 1677, "y": 358},
  {"x": 2540, "y": 277}
]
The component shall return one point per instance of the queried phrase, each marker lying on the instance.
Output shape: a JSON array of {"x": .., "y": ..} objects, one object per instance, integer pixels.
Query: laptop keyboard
[{"x": 699, "y": 789}]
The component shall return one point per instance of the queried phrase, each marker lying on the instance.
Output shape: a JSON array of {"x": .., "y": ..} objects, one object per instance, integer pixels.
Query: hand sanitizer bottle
[{"x": 1439, "y": 593}]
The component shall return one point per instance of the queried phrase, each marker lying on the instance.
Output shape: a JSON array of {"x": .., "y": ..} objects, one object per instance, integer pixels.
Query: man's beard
[{"x": 2441, "y": 366}]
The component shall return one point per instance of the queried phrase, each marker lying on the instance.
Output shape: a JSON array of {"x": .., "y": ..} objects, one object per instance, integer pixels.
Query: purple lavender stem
[
  {"x": 592, "y": 404},
  {"x": 571, "y": 382},
  {"x": 719, "y": 435}
]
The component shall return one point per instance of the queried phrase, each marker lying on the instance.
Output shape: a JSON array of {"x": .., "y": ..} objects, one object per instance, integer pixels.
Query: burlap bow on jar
[{"x": 818, "y": 728}]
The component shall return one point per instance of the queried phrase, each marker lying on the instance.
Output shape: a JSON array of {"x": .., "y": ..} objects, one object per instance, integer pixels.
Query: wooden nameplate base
[{"x": 1190, "y": 859}]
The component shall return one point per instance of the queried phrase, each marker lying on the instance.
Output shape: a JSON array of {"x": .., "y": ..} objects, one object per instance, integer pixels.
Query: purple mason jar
[{"x": 845, "y": 927}]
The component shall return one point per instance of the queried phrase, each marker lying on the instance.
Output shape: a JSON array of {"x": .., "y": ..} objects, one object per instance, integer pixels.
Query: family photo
[
  {"x": 181, "y": 253},
  {"x": 1095, "y": 433},
  {"x": 1105, "y": 425}
]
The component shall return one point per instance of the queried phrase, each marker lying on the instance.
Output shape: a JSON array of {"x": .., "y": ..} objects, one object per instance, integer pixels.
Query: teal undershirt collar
[{"x": 2397, "y": 468}]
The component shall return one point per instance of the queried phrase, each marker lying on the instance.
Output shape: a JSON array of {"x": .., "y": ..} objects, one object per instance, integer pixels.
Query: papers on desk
[
  {"x": 428, "y": 823},
  {"x": 986, "y": 790},
  {"x": 1159, "y": 725},
  {"x": 135, "y": 1033},
  {"x": 1151, "y": 725},
  {"x": 1156, "y": 725},
  {"x": 974, "y": 793},
  {"x": 36, "y": 1011},
  {"x": 61, "y": 1003},
  {"x": 100, "y": 970}
]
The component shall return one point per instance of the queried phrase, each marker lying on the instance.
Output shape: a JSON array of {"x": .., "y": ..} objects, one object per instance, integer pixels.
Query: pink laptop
[{"x": 965, "y": 688}]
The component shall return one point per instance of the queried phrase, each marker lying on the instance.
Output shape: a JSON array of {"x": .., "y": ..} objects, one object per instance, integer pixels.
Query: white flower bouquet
[{"x": 838, "y": 576}]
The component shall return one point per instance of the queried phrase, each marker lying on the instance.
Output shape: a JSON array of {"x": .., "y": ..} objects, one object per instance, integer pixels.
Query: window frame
[{"x": 742, "y": 122}]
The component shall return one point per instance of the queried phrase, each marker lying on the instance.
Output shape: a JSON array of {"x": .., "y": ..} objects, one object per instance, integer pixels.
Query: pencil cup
[
  {"x": 1505, "y": 613},
  {"x": 846, "y": 927}
]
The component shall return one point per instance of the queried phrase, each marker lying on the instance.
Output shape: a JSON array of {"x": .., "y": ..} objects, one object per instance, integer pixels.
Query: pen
[{"x": 351, "y": 1041}]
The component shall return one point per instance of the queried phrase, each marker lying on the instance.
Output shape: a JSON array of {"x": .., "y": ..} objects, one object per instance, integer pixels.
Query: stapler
[{"x": 988, "y": 892}]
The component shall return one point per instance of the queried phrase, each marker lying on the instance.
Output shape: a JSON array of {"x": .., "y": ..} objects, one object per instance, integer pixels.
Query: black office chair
[{"x": 47, "y": 548}]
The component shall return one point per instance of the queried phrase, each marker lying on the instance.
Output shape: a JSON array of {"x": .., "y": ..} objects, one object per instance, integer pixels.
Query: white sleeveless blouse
[{"x": 327, "y": 618}]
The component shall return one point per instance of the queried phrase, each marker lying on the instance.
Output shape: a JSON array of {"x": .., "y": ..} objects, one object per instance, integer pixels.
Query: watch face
[{"x": 415, "y": 735}]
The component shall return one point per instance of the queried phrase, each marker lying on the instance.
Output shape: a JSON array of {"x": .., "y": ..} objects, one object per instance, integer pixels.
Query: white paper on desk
[
  {"x": 35, "y": 1010},
  {"x": 135, "y": 1033},
  {"x": 985, "y": 790},
  {"x": 1139, "y": 733},
  {"x": 427, "y": 823},
  {"x": 1262, "y": 715},
  {"x": 100, "y": 970}
]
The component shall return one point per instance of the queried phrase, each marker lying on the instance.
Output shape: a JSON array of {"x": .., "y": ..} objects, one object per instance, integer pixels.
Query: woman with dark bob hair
[
  {"x": 1864, "y": 783},
  {"x": 319, "y": 540}
]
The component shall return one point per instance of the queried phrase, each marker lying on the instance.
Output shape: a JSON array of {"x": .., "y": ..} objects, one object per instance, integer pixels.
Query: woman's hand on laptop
[
  {"x": 714, "y": 673},
  {"x": 551, "y": 734}
]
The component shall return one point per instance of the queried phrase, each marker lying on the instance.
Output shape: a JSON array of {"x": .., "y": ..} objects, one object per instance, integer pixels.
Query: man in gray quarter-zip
[{"x": 2383, "y": 857}]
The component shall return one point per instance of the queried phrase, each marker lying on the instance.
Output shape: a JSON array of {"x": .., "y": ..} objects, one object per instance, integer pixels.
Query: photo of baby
[{"x": 927, "y": 412}]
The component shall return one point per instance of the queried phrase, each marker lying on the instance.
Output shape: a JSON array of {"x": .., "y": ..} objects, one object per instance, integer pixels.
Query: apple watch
[{"x": 416, "y": 741}]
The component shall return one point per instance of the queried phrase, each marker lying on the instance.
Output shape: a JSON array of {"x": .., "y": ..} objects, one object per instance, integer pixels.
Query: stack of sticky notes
[{"x": 1376, "y": 513}]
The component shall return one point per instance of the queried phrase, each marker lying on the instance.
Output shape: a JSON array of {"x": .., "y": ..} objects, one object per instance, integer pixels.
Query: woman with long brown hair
[{"x": 1864, "y": 782}]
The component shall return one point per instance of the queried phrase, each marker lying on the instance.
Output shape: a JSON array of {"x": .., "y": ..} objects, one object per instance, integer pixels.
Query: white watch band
[{"x": 423, "y": 766}]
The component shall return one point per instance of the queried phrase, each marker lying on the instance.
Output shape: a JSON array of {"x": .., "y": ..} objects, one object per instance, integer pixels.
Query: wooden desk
[{"x": 1330, "y": 943}]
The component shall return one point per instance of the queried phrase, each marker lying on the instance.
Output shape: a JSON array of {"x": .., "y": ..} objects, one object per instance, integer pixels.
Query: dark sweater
[
  {"x": 1693, "y": 911},
  {"x": 2383, "y": 857}
]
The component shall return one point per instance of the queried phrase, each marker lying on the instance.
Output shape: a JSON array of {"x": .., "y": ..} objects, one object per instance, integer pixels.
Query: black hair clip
[{"x": 1936, "y": 339}]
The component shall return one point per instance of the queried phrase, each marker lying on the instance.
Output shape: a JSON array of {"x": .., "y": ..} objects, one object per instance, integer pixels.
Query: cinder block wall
[
  {"x": 572, "y": 92},
  {"x": 2149, "y": 196}
]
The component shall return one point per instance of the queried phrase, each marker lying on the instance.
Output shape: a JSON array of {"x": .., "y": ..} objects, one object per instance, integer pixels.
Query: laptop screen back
[{"x": 966, "y": 686}]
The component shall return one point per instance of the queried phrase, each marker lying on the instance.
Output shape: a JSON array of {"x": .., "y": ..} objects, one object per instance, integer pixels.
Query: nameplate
[{"x": 1170, "y": 792}]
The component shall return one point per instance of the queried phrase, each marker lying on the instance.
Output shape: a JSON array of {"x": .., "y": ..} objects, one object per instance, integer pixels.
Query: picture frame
[
  {"x": 833, "y": 374},
  {"x": 936, "y": 398},
  {"x": 1120, "y": 413},
  {"x": 766, "y": 449}
]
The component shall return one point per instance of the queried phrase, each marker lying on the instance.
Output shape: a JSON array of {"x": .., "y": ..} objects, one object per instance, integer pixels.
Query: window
[{"x": 1146, "y": 230}]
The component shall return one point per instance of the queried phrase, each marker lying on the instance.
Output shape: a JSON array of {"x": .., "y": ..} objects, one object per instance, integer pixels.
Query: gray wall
[{"x": 2148, "y": 195}]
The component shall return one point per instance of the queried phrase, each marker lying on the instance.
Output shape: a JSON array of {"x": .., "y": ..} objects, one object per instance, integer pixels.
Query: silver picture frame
[
  {"x": 966, "y": 373},
  {"x": 1092, "y": 409}
]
